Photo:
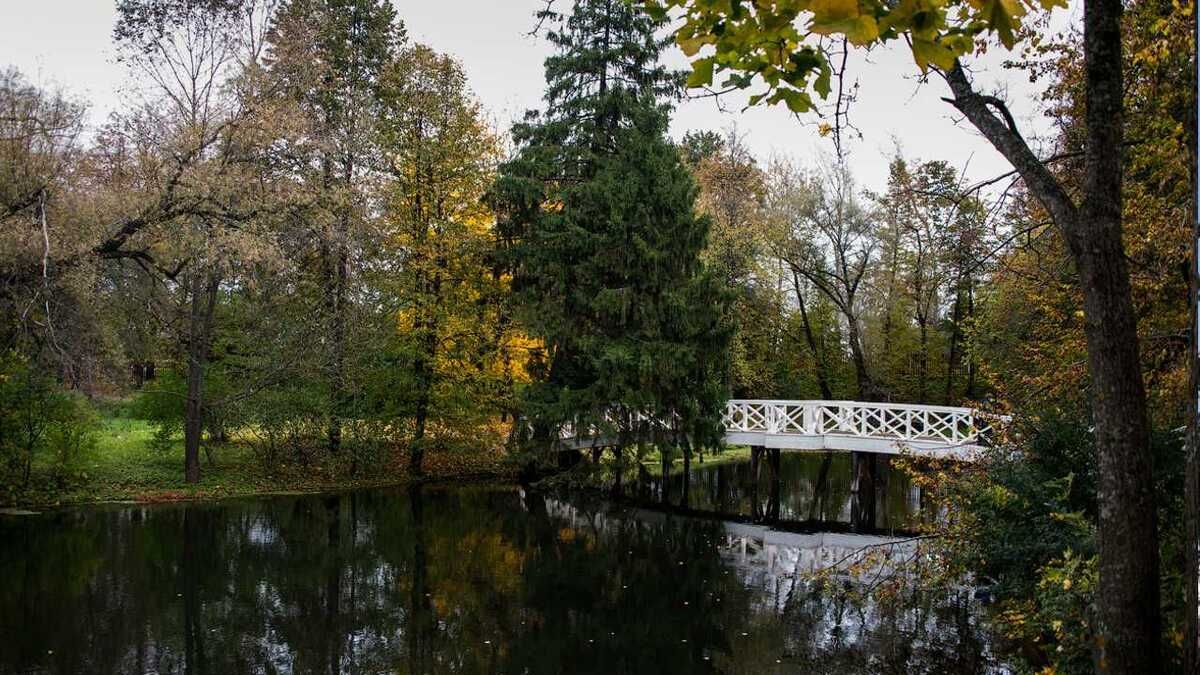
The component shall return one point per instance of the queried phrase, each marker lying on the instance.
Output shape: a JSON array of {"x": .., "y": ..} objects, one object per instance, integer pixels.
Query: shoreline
[{"x": 166, "y": 496}]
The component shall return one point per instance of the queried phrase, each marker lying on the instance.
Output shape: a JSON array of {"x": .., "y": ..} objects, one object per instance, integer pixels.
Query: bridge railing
[{"x": 939, "y": 424}]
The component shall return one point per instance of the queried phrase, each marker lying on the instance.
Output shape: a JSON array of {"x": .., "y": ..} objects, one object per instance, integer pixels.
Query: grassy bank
[
  {"x": 730, "y": 455},
  {"x": 126, "y": 466}
]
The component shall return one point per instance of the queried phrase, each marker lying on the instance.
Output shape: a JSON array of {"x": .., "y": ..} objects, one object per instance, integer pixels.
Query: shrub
[
  {"x": 43, "y": 429},
  {"x": 1025, "y": 523}
]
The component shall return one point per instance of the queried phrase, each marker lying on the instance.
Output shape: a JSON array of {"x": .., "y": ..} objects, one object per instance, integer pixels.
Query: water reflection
[
  {"x": 439, "y": 580},
  {"x": 861, "y": 492}
]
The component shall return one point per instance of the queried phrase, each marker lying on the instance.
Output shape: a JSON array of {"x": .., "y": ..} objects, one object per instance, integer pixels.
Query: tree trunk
[
  {"x": 818, "y": 356},
  {"x": 773, "y": 461},
  {"x": 862, "y": 491},
  {"x": 665, "y": 482},
  {"x": 685, "y": 498},
  {"x": 1128, "y": 594},
  {"x": 203, "y": 305},
  {"x": 756, "y": 453},
  {"x": 427, "y": 363},
  {"x": 618, "y": 469},
  {"x": 952, "y": 361},
  {"x": 866, "y": 386},
  {"x": 1191, "y": 577},
  {"x": 821, "y": 487},
  {"x": 969, "y": 392},
  {"x": 425, "y": 384},
  {"x": 338, "y": 274},
  {"x": 923, "y": 359}
]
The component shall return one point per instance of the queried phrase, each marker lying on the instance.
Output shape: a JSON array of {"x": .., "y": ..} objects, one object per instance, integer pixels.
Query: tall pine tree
[{"x": 597, "y": 214}]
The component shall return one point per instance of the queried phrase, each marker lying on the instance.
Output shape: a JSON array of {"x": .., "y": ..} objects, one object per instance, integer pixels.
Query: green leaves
[
  {"x": 702, "y": 72},
  {"x": 778, "y": 43}
]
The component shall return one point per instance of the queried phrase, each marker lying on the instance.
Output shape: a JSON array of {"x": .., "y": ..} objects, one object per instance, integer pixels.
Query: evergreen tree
[{"x": 597, "y": 212}]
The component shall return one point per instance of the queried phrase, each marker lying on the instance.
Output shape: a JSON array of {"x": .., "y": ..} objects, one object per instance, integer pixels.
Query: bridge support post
[
  {"x": 883, "y": 475},
  {"x": 773, "y": 488},
  {"x": 618, "y": 470},
  {"x": 665, "y": 482},
  {"x": 862, "y": 490},
  {"x": 569, "y": 459},
  {"x": 756, "y": 453}
]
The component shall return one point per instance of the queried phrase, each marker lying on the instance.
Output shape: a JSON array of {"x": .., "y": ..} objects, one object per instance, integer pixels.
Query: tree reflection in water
[{"x": 439, "y": 579}]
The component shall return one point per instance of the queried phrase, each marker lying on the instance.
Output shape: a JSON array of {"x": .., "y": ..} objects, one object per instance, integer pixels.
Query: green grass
[
  {"x": 126, "y": 466},
  {"x": 730, "y": 455}
]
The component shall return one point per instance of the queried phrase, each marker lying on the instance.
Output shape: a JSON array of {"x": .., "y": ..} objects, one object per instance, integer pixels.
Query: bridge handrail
[
  {"x": 907, "y": 422},
  {"x": 873, "y": 404}
]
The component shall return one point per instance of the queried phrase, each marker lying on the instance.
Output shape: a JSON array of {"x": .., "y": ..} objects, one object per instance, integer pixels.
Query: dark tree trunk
[
  {"x": 1191, "y": 621},
  {"x": 687, "y": 478},
  {"x": 773, "y": 476},
  {"x": 952, "y": 361},
  {"x": 755, "y": 469},
  {"x": 810, "y": 338},
  {"x": 426, "y": 364},
  {"x": 338, "y": 275},
  {"x": 618, "y": 470},
  {"x": 416, "y": 453},
  {"x": 867, "y": 390},
  {"x": 665, "y": 482},
  {"x": 1128, "y": 597},
  {"x": 969, "y": 392},
  {"x": 923, "y": 359},
  {"x": 862, "y": 491},
  {"x": 203, "y": 304},
  {"x": 1128, "y": 594},
  {"x": 821, "y": 488}
]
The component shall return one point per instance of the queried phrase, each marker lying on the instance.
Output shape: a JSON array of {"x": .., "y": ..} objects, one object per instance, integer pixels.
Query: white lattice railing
[{"x": 923, "y": 423}]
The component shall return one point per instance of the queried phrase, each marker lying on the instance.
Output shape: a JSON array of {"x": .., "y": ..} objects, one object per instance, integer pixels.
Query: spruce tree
[{"x": 597, "y": 213}]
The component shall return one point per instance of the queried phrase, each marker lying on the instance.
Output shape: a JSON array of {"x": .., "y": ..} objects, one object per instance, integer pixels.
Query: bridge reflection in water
[
  {"x": 849, "y": 492},
  {"x": 821, "y": 626}
]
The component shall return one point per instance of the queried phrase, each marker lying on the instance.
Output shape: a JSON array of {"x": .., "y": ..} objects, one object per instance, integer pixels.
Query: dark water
[
  {"x": 467, "y": 579},
  {"x": 813, "y": 491}
]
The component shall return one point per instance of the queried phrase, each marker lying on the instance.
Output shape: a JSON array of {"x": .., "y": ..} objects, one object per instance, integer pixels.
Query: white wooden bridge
[{"x": 881, "y": 428}]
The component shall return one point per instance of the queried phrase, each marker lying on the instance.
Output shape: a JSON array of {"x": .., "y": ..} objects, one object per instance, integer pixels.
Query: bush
[
  {"x": 1027, "y": 526},
  {"x": 71, "y": 441},
  {"x": 45, "y": 432},
  {"x": 163, "y": 407}
]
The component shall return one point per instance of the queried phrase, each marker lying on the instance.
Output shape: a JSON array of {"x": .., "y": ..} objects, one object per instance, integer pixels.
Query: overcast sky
[{"x": 67, "y": 43}]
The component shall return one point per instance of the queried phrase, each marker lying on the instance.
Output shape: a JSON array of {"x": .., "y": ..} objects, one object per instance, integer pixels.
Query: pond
[{"x": 470, "y": 579}]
